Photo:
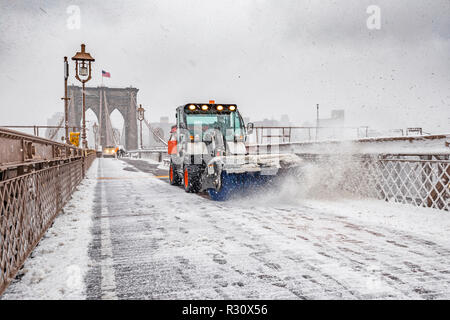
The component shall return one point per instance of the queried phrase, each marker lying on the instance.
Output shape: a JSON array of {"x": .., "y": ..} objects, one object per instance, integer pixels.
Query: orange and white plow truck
[{"x": 208, "y": 152}]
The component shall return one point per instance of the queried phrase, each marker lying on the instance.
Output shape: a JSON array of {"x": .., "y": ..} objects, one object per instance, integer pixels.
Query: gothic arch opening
[{"x": 118, "y": 126}]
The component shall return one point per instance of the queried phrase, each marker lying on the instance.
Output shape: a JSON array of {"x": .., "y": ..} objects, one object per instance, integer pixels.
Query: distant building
[
  {"x": 162, "y": 128},
  {"x": 272, "y": 135},
  {"x": 284, "y": 121},
  {"x": 332, "y": 128},
  {"x": 266, "y": 123},
  {"x": 337, "y": 119}
]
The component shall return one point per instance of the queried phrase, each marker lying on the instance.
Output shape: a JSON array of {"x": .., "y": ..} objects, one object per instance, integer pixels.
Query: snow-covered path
[{"x": 151, "y": 240}]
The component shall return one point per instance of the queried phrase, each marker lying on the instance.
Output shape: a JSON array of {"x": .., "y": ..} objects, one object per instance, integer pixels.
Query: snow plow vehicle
[{"x": 208, "y": 152}]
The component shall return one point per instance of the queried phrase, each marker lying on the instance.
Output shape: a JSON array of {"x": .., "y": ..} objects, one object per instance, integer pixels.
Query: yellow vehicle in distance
[{"x": 109, "y": 152}]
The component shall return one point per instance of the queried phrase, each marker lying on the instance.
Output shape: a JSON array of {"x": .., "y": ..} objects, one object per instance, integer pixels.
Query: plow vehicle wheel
[
  {"x": 191, "y": 181},
  {"x": 235, "y": 184},
  {"x": 174, "y": 179},
  {"x": 224, "y": 191}
]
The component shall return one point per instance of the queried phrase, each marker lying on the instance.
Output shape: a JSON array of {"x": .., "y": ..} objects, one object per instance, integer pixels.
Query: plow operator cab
[{"x": 208, "y": 153}]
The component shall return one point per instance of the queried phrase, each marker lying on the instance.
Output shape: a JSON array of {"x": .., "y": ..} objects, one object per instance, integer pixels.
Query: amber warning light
[{"x": 211, "y": 102}]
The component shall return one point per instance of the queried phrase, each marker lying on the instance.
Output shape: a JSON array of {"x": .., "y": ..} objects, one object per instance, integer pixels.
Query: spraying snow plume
[{"x": 319, "y": 177}]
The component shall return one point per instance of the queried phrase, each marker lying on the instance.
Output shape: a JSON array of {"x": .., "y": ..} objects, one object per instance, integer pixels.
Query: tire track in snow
[
  {"x": 184, "y": 246},
  {"x": 100, "y": 280}
]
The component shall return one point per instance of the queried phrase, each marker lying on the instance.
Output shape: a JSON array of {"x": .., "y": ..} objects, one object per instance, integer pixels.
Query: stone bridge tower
[{"x": 103, "y": 101}]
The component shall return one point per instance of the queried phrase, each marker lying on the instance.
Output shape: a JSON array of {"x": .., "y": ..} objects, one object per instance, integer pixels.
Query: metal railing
[
  {"x": 156, "y": 153},
  {"x": 365, "y": 145},
  {"x": 287, "y": 134},
  {"x": 293, "y": 134},
  {"x": 37, "y": 127},
  {"x": 36, "y": 181},
  {"x": 421, "y": 180}
]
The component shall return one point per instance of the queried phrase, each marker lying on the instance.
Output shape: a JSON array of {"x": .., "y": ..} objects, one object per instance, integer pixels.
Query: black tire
[
  {"x": 174, "y": 178},
  {"x": 191, "y": 181}
]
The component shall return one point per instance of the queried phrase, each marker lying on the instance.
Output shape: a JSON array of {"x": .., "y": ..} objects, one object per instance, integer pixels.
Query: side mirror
[{"x": 250, "y": 127}]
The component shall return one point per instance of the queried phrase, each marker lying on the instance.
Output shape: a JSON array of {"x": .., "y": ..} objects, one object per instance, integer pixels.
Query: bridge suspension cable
[
  {"x": 53, "y": 134},
  {"x": 155, "y": 132}
]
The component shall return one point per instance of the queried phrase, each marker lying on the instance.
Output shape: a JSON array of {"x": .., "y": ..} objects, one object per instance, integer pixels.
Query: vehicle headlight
[
  {"x": 220, "y": 107},
  {"x": 204, "y": 107},
  {"x": 192, "y": 107},
  {"x": 232, "y": 108}
]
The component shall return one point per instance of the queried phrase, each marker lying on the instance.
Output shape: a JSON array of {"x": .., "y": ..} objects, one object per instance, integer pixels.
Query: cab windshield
[{"x": 230, "y": 124}]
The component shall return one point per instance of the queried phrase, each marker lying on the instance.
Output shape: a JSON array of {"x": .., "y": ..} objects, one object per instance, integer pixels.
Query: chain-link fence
[
  {"x": 422, "y": 180},
  {"x": 28, "y": 205}
]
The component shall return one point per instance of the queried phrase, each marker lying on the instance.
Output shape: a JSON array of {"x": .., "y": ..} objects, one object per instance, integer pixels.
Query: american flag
[{"x": 106, "y": 74}]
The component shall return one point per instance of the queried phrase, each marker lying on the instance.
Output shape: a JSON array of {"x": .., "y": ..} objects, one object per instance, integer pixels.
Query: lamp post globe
[
  {"x": 141, "y": 111},
  {"x": 83, "y": 72}
]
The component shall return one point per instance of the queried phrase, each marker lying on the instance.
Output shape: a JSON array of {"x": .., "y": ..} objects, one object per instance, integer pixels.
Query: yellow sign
[{"x": 75, "y": 138}]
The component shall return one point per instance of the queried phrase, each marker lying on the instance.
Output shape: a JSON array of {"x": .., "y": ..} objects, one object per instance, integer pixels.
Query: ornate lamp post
[
  {"x": 66, "y": 99},
  {"x": 140, "y": 118},
  {"x": 95, "y": 129},
  {"x": 83, "y": 74}
]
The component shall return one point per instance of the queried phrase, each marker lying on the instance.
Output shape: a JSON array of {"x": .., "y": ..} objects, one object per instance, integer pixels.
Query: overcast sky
[{"x": 270, "y": 57}]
